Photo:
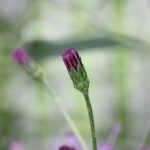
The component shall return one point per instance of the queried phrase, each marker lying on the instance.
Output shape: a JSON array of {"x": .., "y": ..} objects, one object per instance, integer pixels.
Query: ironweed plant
[{"x": 81, "y": 82}]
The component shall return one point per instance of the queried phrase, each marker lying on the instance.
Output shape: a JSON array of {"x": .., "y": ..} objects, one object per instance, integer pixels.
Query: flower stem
[
  {"x": 91, "y": 117},
  {"x": 69, "y": 120}
]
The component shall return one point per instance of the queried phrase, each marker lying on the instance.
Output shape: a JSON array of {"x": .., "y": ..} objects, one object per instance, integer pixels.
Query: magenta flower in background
[
  {"x": 65, "y": 147},
  {"x": 71, "y": 59},
  {"x": 20, "y": 56},
  {"x": 16, "y": 146},
  {"x": 70, "y": 142},
  {"x": 73, "y": 141}
]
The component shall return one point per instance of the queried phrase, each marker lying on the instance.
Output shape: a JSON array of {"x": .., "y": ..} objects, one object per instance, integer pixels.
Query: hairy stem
[{"x": 91, "y": 117}]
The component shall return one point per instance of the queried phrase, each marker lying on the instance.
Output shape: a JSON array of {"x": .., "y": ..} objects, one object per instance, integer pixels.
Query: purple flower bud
[
  {"x": 30, "y": 67},
  {"x": 65, "y": 147},
  {"x": 76, "y": 69},
  {"x": 20, "y": 56},
  {"x": 71, "y": 59}
]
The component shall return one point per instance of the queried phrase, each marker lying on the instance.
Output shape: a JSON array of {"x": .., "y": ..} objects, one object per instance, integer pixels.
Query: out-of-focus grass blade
[{"x": 39, "y": 49}]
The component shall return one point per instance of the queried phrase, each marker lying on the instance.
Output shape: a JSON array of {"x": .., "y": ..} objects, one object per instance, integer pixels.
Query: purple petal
[
  {"x": 74, "y": 51},
  {"x": 73, "y": 141},
  {"x": 106, "y": 147},
  {"x": 71, "y": 59}
]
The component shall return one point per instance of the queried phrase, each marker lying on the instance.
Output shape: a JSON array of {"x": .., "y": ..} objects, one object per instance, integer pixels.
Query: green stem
[
  {"x": 91, "y": 117},
  {"x": 122, "y": 83},
  {"x": 122, "y": 67},
  {"x": 59, "y": 103}
]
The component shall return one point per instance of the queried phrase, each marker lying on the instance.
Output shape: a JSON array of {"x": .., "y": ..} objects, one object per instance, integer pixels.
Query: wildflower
[
  {"x": 21, "y": 57},
  {"x": 76, "y": 69},
  {"x": 81, "y": 82}
]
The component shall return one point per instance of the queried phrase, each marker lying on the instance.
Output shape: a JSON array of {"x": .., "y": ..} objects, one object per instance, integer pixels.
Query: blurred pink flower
[
  {"x": 20, "y": 56},
  {"x": 16, "y": 146},
  {"x": 72, "y": 141}
]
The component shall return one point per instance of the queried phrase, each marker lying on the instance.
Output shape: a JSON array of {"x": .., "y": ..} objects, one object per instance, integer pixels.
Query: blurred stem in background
[
  {"x": 44, "y": 121},
  {"x": 122, "y": 68},
  {"x": 36, "y": 72},
  {"x": 61, "y": 107}
]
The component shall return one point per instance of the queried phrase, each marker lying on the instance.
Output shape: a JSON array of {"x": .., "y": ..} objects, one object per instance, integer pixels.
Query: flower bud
[
  {"x": 76, "y": 69},
  {"x": 21, "y": 57}
]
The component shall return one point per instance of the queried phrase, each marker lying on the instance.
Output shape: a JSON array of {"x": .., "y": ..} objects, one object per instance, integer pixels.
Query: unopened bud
[
  {"x": 21, "y": 57},
  {"x": 76, "y": 69}
]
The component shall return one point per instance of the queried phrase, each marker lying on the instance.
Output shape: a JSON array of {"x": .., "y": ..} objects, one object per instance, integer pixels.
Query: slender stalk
[
  {"x": 122, "y": 59},
  {"x": 91, "y": 117},
  {"x": 59, "y": 103},
  {"x": 122, "y": 86}
]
